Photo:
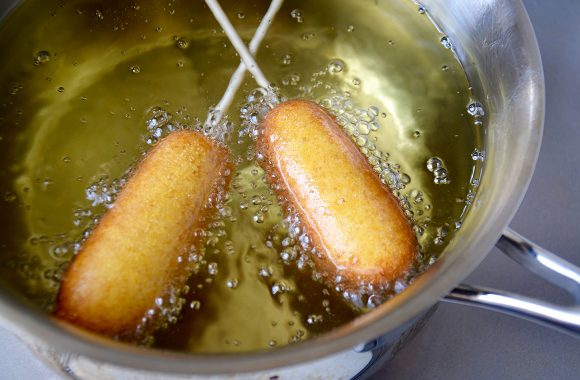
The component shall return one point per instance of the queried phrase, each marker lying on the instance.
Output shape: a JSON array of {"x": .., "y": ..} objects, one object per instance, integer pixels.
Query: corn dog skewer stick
[
  {"x": 235, "y": 39},
  {"x": 215, "y": 116}
]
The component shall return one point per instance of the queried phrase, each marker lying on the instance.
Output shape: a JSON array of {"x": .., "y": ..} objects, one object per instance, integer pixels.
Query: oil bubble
[
  {"x": 373, "y": 111},
  {"x": 182, "y": 43},
  {"x": 135, "y": 69},
  {"x": 279, "y": 287},
  {"x": 297, "y": 15},
  {"x": 41, "y": 57},
  {"x": 364, "y": 128},
  {"x": 232, "y": 283},
  {"x": 336, "y": 66},
  {"x": 436, "y": 166},
  {"x": 287, "y": 59},
  {"x": 212, "y": 268},
  {"x": 434, "y": 163},
  {"x": 475, "y": 109},
  {"x": 314, "y": 319},
  {"x": 265, "y": 272},
  {"x": 446, "y": 42},
  {"x": 59, "y": 252},
  {"x": 9, "y": 197},
  {"x": 258, "y": 217},
  {"x": 478, "y": 155}
]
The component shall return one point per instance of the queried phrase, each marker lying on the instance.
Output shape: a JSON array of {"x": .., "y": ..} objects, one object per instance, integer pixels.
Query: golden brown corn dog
[
  {"x": 353, "y": 220},
  {"x": 132, "y": 256}
]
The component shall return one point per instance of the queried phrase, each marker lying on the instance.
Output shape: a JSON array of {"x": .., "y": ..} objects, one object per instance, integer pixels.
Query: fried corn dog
[
  {"x": 133, "y": 255},
  {"x": 356, "y": 225}
]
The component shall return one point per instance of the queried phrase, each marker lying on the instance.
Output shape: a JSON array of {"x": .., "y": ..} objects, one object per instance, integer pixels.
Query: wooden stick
[
  {"x": 236, "y": 80},
  {"x": 237, "y": 42}
]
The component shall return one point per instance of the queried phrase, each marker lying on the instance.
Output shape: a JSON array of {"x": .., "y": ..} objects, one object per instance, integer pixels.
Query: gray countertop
[{"x": 462, "y": 342}]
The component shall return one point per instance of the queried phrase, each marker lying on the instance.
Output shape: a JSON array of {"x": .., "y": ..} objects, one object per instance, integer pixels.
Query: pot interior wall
[{"x": 496, "y": 46}]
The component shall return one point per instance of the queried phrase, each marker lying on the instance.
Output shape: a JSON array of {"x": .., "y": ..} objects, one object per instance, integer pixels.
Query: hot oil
[{"x": 88, "y": 87}]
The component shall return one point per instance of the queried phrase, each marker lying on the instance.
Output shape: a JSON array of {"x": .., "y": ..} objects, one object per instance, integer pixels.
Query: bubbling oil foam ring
[
  {"x": 391, "y": 254},
  {"x": 106, "y": 273}
]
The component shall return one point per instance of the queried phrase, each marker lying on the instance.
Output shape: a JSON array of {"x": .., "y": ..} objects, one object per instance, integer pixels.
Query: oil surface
[{"x": 89, "y": 86}]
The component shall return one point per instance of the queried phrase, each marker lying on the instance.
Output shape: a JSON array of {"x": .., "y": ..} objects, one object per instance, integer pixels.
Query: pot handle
[{"x": 565, "y": 318}]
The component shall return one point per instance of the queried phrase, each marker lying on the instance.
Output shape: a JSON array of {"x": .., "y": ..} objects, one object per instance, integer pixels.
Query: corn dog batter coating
[
  {"x": 353, "y": 220},
  {"x": 133, "y": 255}
]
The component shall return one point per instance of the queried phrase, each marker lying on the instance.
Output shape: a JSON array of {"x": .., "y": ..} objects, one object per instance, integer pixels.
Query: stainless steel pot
[{"x": 495, "y": 43}]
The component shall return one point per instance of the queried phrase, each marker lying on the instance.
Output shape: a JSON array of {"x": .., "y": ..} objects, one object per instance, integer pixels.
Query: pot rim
[{"x": 437, "y": 281}]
